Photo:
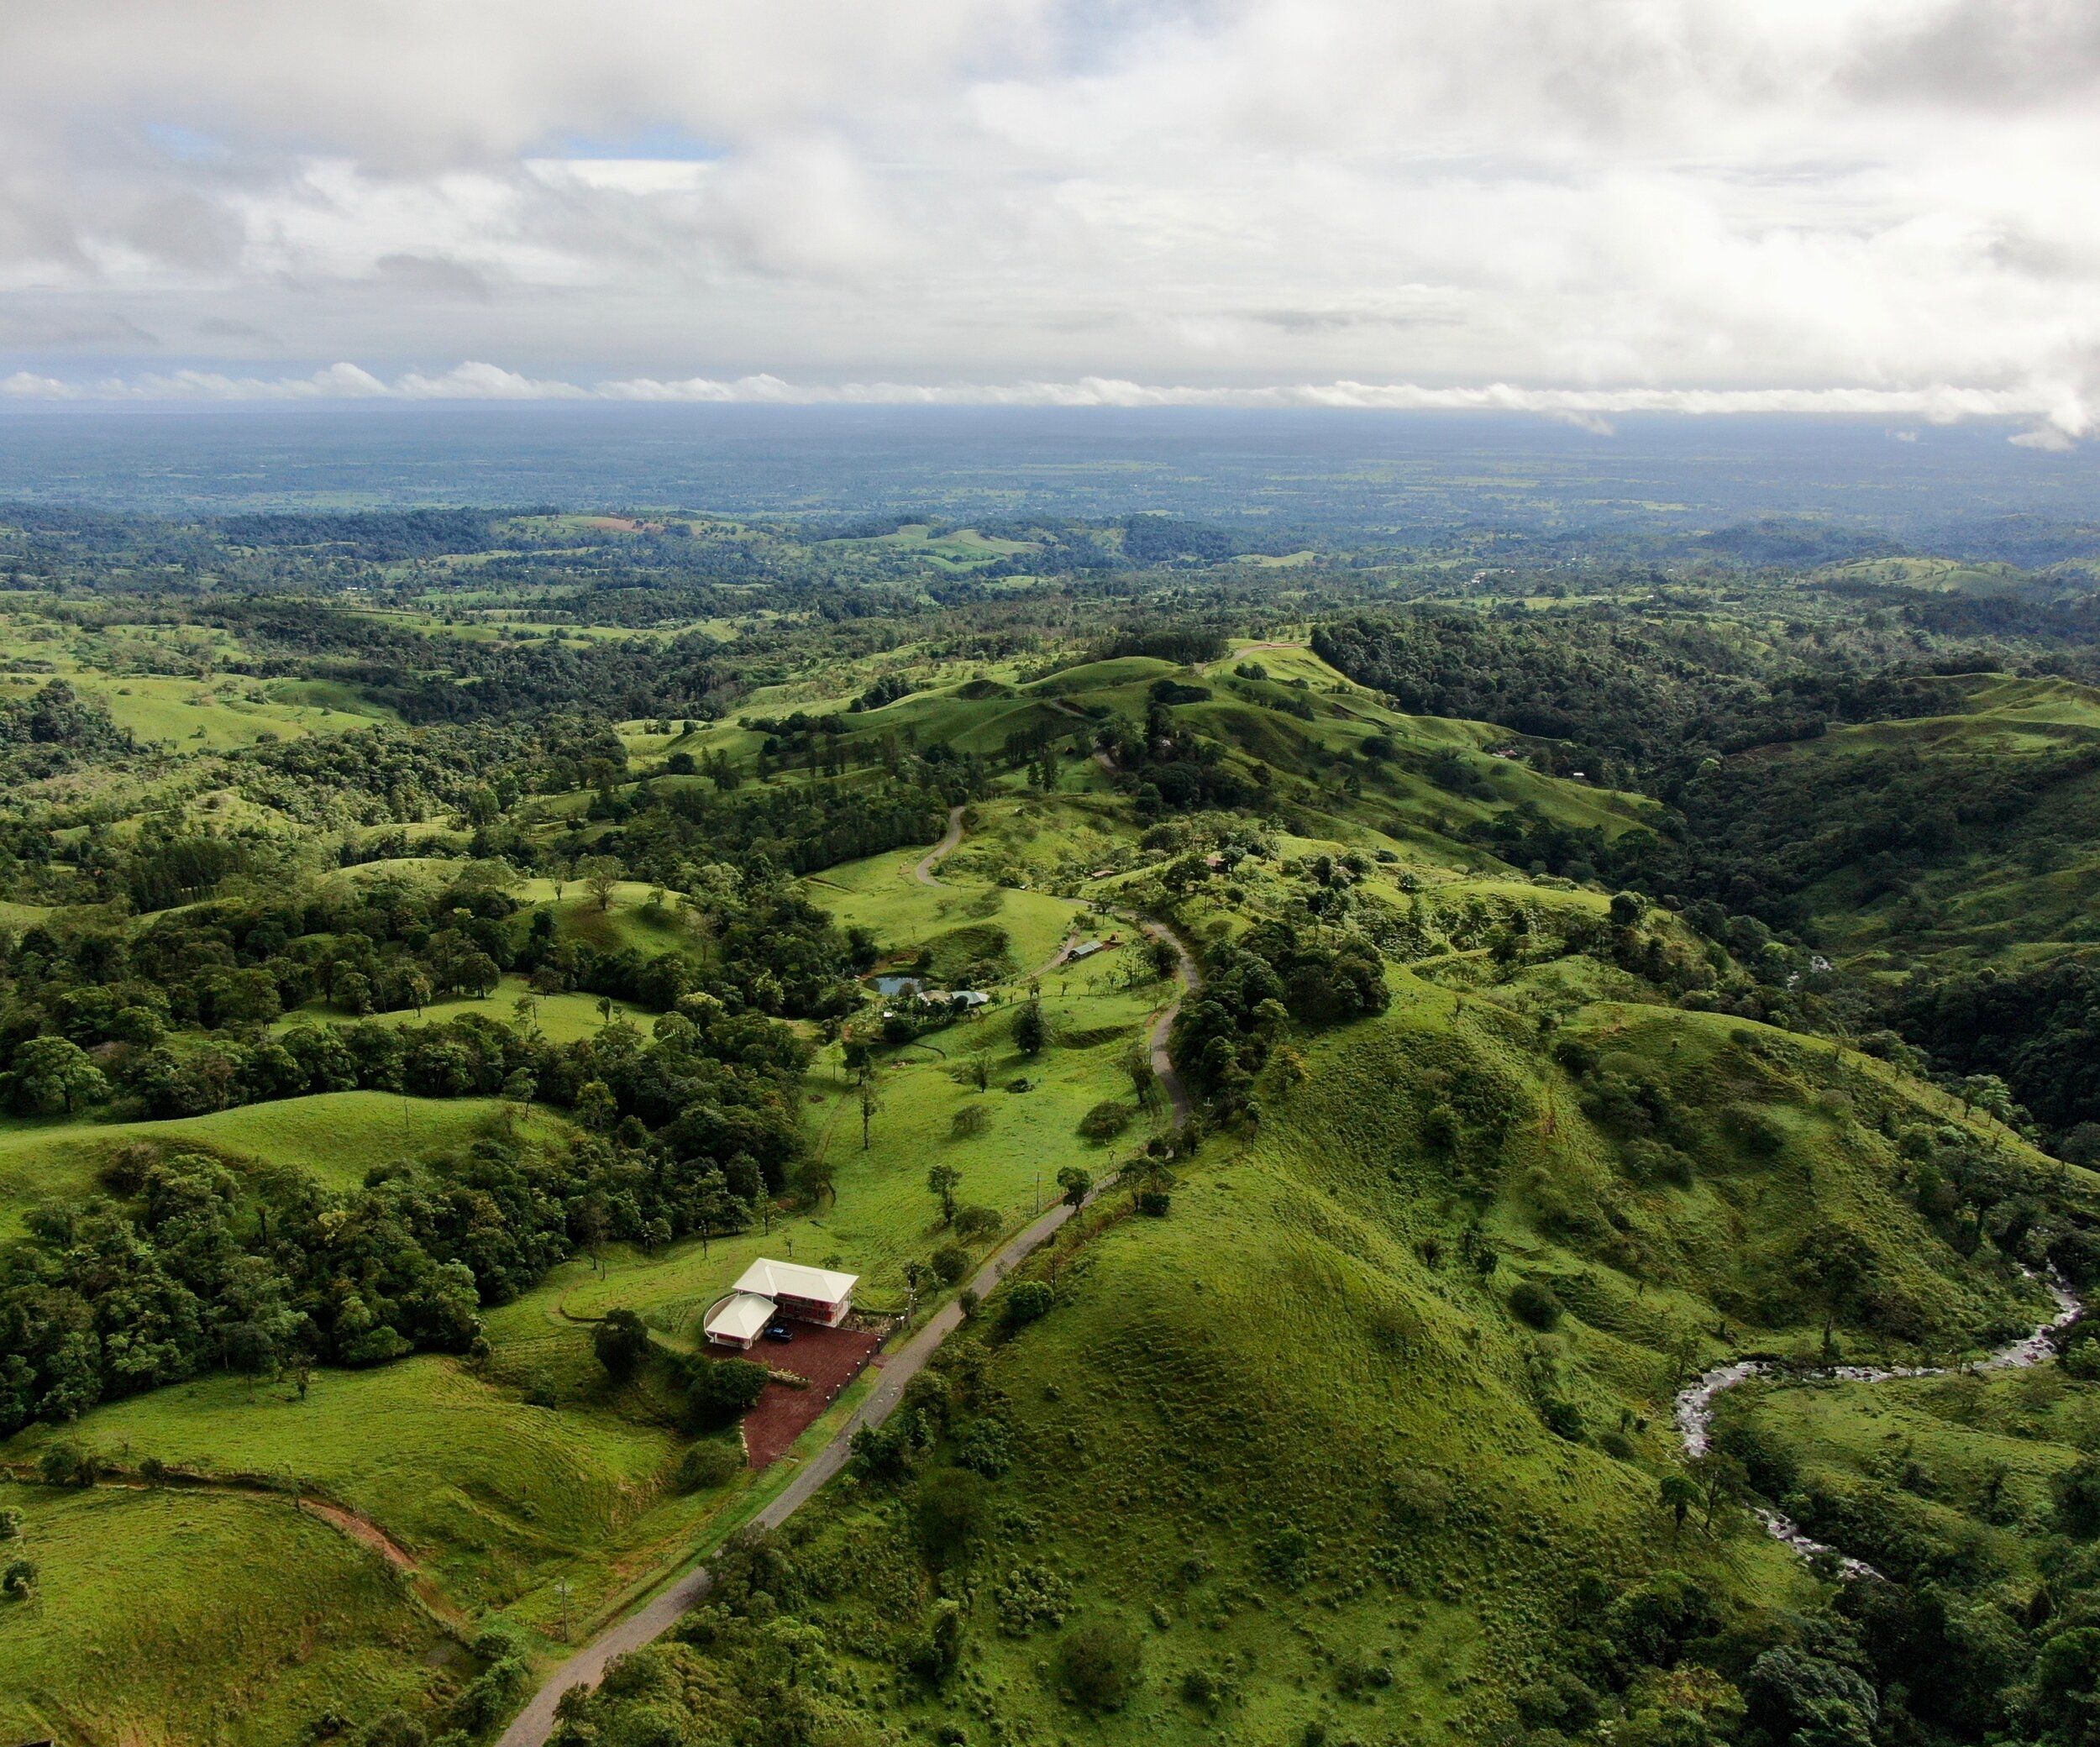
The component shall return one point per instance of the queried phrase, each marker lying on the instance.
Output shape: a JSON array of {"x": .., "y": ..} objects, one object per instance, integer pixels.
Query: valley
[{"x": 1303, "y": 1078}]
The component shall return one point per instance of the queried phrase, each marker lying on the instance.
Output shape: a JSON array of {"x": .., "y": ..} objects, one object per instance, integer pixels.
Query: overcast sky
[{"x": 1588, "y": 206}]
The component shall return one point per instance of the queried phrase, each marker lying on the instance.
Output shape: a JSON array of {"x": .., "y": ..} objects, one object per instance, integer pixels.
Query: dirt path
[
  {"x": 1162, "y": 1026},
  {"x": 941, "y": 851},
  {"x": 364, "y": 1529},
  {"x": 344, "y": 1520},
  {"x": 533, "y": 1724}
]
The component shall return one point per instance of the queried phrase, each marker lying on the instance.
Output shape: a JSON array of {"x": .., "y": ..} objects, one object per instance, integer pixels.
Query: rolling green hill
[
  {"x": 1573, "y": 978},
  {"x": 1292, "y": 1461}
]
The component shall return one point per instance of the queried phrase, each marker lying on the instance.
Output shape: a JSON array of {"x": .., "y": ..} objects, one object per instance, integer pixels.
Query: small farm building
[{"x": 739, "y": 1319}]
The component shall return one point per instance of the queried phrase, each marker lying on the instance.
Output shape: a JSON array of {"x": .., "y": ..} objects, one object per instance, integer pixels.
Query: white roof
[
  {"x": 741, "y": 1316},
  {"x": 791, "y": 1279}
]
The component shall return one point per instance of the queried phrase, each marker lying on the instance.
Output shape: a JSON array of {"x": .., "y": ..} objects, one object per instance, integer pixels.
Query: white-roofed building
[
  {"x": 769, "y": 1289},
  {"x": 739, "y": 1318}
]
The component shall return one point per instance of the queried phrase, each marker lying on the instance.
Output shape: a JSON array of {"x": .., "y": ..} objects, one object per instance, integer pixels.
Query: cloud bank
[
  {"x": 1623, "y": 205},
  {"x": 1941, "y": 404}
]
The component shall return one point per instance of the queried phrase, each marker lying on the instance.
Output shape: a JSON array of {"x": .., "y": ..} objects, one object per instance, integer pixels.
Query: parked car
[{"x": 779, "y": 1331}]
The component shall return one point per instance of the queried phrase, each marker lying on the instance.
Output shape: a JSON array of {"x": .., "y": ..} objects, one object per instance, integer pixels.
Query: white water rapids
[{"x": 1695, "y": 1406}]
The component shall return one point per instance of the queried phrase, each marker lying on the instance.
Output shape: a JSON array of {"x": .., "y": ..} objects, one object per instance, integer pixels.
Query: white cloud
[
  {"x": 1856, "y": 197},
  {"x": 2058, "y": 422},
  {"x": 27, "y": 386},
  {"x": 481, "y": 382}
]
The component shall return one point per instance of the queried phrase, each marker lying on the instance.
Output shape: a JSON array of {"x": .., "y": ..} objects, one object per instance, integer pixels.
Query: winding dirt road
[
  {"x": 941, "y": 851},
  {"x": 533, "y": 1725}
]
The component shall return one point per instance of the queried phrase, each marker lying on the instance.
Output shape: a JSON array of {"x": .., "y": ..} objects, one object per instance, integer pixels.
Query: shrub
[
  {"x": 1154, "y": 1202},
  {"x": 985, "y": 1446},
  {"x": 2078, "y": 1498},
  {"x": 882, "y": 1452},
  {"x": 1026, "y": 1302},
  {"x": 1103, "y": 1665},
  {"x": 19, "y": 1579},
  {"x": 951, "y": 1262},
  {"x": 707, "y": 1464},
  {"x": 394, "y": 1728},
  {"x": 68, "y": 1464},
  {"x": 973, "y": 1119},
  {"x": 1557, "y": 1701},
  {"x": 950, "y": 1513},
  {"x": 495, "y": 1694},
  {"x": 1107, "y": 1120},
  {"x": 622, "y": 1342},
  {"x": 1563, "y": 1417},
  {"x": 1286, "y": 1556},
  {"x": 1030, "y": 1596},
  {"x": 1533, "y": 1300},
  {"x": 934, "y": 1658},
  {"x": 975, "y": 1224},
  {"x": 720, "y": 1391}
]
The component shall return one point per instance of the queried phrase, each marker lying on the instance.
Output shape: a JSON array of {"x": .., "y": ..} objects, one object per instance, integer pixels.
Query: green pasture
[
  {"x": 882, "y": 894},
  {"x": 565, "y": 1017},
  {"x": 176, "y": 1616},
  {"x": 495, "y": 1497},
  {"x": 334, "y": 1136},
  {"x": 1274, "y": 1441}
]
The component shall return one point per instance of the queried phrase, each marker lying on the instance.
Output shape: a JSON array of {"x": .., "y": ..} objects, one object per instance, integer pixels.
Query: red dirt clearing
[{"x": 830, "y": 1358}]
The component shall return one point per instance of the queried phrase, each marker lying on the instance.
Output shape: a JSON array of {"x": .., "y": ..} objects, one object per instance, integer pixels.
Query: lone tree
[
  {"x": 1144, "y": 1082},
  {"x": 870, "y": 1102},
  {"x": 1680, "y": 1492},
  {"x": 601, "y": 874},
  {"x": 1835, "y": 1262},
  {"x": 943, "y": 1181},
  {"x": 1075, "y": 1182},
  {"x": 1032, "y": 1032}
]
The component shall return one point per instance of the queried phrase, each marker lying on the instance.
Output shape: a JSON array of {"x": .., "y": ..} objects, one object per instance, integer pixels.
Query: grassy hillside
[
  {"x": 165, "y": 1616},
  {"x": 1313, "y": 1456},
  {"x": 334, "y": 1136}
]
